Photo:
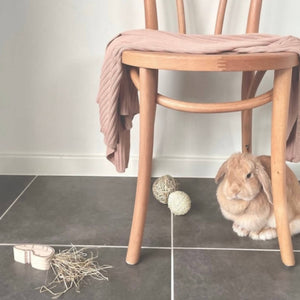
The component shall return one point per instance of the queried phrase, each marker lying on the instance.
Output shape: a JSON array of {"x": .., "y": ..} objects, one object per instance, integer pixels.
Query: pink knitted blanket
[{"x": 117, "y": 96}]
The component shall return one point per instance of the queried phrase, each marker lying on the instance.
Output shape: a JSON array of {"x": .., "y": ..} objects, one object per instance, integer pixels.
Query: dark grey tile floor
[{"x": 196, "y": 256}]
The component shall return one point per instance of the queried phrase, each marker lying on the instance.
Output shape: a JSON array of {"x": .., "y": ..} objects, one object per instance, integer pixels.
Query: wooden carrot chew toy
[{"x": 39, "y": 256}]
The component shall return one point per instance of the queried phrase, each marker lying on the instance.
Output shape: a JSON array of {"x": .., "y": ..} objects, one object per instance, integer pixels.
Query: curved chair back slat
[
  {"x": 220, "y": 16},
  {"x": 254, "y": 16},
  {"x": 252, "y": 23},
  {"x": 180, "y": 16},
  {"x": 150, "y": 14}
]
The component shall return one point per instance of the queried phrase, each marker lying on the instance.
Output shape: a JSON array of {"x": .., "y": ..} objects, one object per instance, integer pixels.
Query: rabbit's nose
[{"x": 235, "y": 189}]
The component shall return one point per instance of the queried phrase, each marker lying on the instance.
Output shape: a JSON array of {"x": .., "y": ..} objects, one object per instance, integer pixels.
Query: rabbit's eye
[{"x": 249, "y": 175}]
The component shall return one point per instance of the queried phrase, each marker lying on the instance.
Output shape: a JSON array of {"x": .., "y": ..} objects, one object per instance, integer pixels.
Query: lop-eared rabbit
[{"x": 245, "y": 196}]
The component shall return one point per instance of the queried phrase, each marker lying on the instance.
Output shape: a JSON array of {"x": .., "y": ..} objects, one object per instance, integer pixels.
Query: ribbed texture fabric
[{"x": 118, "y": 99}]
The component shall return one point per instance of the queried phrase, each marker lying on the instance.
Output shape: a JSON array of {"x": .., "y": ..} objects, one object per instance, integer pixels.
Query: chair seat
[{"x": 210, "y": 62}]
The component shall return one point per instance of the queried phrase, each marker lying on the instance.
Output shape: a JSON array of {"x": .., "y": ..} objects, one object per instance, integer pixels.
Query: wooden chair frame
[{"x": 144, "y": 73}]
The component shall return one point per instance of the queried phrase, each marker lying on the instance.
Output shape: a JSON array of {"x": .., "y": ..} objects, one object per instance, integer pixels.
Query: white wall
[{"x": 51, "y": 54}]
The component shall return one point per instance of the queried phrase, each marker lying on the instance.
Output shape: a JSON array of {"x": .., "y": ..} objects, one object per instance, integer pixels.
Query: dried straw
[{"x": 70, "y": 268}]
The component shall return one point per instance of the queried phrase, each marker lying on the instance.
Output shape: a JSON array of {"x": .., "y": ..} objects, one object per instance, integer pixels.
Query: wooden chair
[{"x": 144, "y": 74}]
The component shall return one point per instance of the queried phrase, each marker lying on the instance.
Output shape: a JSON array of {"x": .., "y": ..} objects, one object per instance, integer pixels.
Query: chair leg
[
  {"x": 247, "y": 114},
  {"x": 281, "y": 93},
  {"x": 148, "y": 92},
  {"x": 247, "y": 131}
]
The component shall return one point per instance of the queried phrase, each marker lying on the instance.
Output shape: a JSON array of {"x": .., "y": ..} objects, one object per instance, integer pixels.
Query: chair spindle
[
  {"x": 220, "y": 16},
  {"x": 180, "y": 16},
  {"x": 254, "y": 16},
  {"x": 150, "y": 14}
]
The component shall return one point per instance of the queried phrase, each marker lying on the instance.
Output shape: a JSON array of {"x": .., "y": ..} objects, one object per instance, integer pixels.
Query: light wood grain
[
  {"x": 180, "y": 16},
  {"x": 220, "y": 16},
  {"x": 282, "y": 84},
  {"x": 216, "y": 63},
  {"x": 254, "y": 16},
  {"x": 144, "y": 74},
  {"x": 148, "y": 90},
  {"x": 214, "y": 107},
  {"x": 151, "y": 21}
]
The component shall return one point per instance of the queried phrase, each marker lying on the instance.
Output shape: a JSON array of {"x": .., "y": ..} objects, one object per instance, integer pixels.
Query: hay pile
[{"x": 71, "y": 268}]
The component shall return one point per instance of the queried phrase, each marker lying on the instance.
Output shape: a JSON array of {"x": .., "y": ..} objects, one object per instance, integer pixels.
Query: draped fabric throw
[{"x": 118, "y": 99}]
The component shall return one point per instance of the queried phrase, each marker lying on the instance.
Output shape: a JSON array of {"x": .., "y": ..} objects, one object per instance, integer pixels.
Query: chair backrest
[{"x": 252, "y": 24}]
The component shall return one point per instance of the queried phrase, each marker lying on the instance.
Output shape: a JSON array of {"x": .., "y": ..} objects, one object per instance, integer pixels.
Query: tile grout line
[
  {"x": 172, "y": 258},
  {"x": 8, "y": 209},
  {"x": 230, "y": 249},
  {"x": 172, "y": 248},
  {"x": 87, "y": 246}
]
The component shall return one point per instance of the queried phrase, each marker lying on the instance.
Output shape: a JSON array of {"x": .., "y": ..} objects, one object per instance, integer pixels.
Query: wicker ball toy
[
  {"x": 163, "y": 186},
  {"x": 179, "y": 203}
]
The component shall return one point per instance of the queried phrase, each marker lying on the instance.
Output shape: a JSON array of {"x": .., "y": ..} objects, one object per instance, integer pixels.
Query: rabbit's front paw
[
  {"x": 254, "y": 235},
  {"x": 264, "y": 235},
  {"x": 240, "y": 231}
]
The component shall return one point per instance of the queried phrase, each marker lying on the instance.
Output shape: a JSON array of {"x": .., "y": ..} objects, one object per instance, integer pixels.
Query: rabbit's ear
[
  {"x": 221, "y": 172},
  {"x": 265, "y": 181}
]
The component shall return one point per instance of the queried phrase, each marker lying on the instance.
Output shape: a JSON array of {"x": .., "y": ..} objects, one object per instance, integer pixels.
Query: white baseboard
[{"x": 97, "y": 165}]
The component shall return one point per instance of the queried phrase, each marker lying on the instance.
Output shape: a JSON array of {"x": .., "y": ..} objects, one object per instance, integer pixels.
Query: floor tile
[
  {"x": 10, "y": 188},
  {"x": 204, "y": 226},
  {"x": 150, "y": 279},
  {"x": 81, "y": 210},
  {"x": 227, "y": 275}
]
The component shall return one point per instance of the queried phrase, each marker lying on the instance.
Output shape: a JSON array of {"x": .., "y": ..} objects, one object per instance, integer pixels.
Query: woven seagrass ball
[
  {"x": 179, "y": 203},
  {"x": 163, "y": 186}
]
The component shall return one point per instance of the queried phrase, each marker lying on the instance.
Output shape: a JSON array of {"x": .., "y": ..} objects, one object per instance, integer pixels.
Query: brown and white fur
[{"x": 245, "y": 196}]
